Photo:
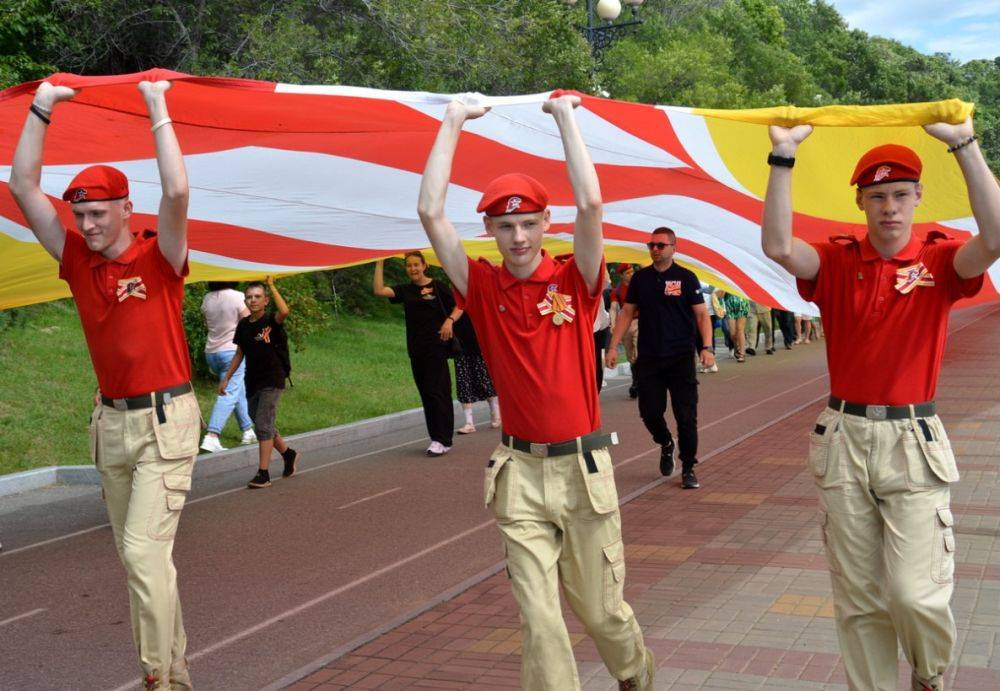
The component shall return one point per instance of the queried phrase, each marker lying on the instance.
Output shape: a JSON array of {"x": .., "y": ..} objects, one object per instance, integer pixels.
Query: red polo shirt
[
  {"x": 130, "y": 308},
  {"x": 543, "y": 371},
  {"x": 884, "y": 345}
]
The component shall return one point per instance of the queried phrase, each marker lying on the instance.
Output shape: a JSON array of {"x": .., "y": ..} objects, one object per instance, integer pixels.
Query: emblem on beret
[
  {"x": 79, "y": 195},
  {"x": 513, "y": 204},
  {"x": 131, "y": 287},
  {"x": 882, "y": 173},
  {"x": 909, "y": 277}
]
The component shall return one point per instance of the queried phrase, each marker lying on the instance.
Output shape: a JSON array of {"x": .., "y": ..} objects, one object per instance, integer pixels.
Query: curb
[{"x": 231, "y": 459}]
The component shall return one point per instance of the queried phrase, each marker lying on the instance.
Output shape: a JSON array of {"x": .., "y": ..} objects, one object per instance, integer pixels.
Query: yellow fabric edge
[{"x": 953, "y": 111}]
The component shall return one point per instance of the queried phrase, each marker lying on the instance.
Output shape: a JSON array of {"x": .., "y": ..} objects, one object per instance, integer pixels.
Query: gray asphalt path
[{"x": 366, "y": 533}]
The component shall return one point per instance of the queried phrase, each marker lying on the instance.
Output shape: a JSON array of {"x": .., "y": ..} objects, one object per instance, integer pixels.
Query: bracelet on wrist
[
  {"x": 37, "y": 112},
  {"x": 159, "y": 124},
  {"x": 962, "y": 144},
  {"x": 47, "y": 111},
  {"x": 781, "y": 161}
]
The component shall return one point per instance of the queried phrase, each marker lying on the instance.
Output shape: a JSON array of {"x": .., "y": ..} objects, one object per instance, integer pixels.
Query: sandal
[{"x": 467, "y": 429}]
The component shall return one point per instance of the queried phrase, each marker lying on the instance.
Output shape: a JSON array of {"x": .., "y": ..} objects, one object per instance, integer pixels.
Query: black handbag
[{"x": 453, "y": 345}]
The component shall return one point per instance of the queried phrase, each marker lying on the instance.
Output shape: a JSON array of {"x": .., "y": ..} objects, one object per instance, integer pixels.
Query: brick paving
[{"x": 729, "y": 582}]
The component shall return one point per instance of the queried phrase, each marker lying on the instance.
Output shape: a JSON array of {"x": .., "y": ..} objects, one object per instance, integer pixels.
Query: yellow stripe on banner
[
  {"x": 30, "y": 274},
  {"x": 826, "y": 160}
]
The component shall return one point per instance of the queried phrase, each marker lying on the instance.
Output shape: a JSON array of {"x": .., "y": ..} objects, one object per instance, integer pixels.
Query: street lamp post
[{"x": 600, "y": 29}]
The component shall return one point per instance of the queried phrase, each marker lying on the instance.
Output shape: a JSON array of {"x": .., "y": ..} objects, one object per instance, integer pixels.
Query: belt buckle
[
  {"x": 876, "y": 412},
  {"x": 541, "y": 450},
  {"x": 119, "y": 404}
]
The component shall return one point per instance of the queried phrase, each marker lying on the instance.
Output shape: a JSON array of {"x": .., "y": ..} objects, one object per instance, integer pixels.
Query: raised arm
[
  {"x": 434, "y": 188},
  {"x": 281, "y": 307},
  {"x": 797, "y": 257},
  {"x": 171, "y": 227},
  {"x": 588, "y": 241},
  {"x": 26, "y": 171},
  {"x": 979, "y": 251},
  {"x": 378, "y": 282}
]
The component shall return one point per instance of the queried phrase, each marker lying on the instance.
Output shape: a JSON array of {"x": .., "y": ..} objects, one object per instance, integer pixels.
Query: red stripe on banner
[{"x": 642, "y": 121}]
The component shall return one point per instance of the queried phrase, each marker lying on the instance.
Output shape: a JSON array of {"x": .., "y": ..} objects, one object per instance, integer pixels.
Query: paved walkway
[{"x": 729, "y": 582}]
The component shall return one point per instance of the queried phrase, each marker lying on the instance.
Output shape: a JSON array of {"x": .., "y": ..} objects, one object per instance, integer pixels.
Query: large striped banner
[{"x": 288, "y": 178}]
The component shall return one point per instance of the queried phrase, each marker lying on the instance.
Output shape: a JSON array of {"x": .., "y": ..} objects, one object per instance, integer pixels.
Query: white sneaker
[
  {"x": 249, "y": 437},
  {"x": 469, "y": 428},
  {"x": 212, "y": 444},
  {"x": 437, "y": 449},
  {"x": 708, "y": 370}
]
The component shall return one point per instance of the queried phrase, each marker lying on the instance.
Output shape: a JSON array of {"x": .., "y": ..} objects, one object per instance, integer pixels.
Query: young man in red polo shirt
[
  {"x": 551, "y": 481},
  {"x": 880, "y": 455},
  {"x": 128, "y": 288}
]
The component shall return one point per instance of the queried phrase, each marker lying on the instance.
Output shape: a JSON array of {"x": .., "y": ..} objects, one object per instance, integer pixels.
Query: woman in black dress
[{"x": 428, "y": 306}]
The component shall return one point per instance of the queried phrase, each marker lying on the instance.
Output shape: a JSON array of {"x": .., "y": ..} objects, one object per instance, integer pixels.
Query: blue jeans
[{"x": 235, "y": 396}]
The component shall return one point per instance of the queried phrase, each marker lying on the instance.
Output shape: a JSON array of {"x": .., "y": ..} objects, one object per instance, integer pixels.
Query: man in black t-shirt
[
  {"x": 261, "y": 338},
  {"x": 675, "y": 325}
]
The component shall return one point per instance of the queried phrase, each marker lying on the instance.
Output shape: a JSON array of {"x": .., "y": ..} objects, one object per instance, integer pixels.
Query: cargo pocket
[
  {"x": 819, "y": 441},
  {"x": 943, "y": 555},
  {"x": 177, "y": 437},
  {"x": 95, "y": 436},
  {"x": 831, "y": 555},
  {"x": 500, "y": 482},
  {"x": 164, "y": 518},
  {"x": 599, "y": 477},
  {"x": 614, "y": 576},
  {"x": 931, "y": 462}
]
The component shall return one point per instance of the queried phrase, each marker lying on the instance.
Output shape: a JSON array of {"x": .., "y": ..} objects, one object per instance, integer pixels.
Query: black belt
[
  {"x": 587, "y": 443},
  {"x": 884, "y": 412},
  {"x": 149, "y": 400}
]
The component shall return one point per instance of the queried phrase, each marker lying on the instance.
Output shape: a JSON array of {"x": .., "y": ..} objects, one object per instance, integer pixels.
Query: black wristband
[
  {"x": 38, "y": 112},
  {"x": 783, "y": 161}
]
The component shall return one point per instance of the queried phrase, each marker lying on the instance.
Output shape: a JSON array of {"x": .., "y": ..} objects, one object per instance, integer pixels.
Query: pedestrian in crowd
[
  {"x": 675, "y": 331},
  {"x": 261, "y": 338},
  {"x": 784, "y": 320},
  {"x": 471, "y": 375},
  {"x": 712, "y": 306},
  {"x": 880, "y": 456},
  {"x": 129, "y": 289},
  {"x": 803, "y": 328},
  {"x": 722, "y": 323},
  {"x": 629, "y": 338},
  {"x": 759, "y": 320},
  {"x": 737, "y": 311},
  {"x": 223, "y": 307},
  {"x": 430, "y": 313},
  {"x": 602, "y": 328},
  {"x": 551, "y": 481}
]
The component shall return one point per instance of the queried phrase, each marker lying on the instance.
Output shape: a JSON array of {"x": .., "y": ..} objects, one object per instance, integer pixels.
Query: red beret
[
  {"x": 513, "y": 193},
  {"x": 887, "y": 163},
  {"x": 97, "y": 184}
]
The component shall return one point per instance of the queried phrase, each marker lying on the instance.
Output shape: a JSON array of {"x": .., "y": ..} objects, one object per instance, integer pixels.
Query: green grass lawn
[{"x": 354, "y": 369}]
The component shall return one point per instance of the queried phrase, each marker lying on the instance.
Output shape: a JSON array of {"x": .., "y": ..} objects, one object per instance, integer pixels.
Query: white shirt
[{"x": 222, "y": 310}]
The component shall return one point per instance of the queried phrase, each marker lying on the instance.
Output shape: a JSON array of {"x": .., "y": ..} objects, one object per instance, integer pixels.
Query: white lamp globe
[{"x": 609, "y": 9}]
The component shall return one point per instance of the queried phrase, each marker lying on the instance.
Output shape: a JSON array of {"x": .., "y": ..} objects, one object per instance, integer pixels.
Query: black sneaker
[
  {"x": 633, "y": 392},
  {"x": 261, "y": 480},
  {"x": 751, "y": 351},
  {"x": 667, "y": 458},
  {"x": 291, "y": 457},
  {"x": 689, "y": 480}
]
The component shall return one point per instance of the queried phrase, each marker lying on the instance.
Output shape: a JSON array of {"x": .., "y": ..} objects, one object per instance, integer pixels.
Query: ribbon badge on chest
[
  {"x": 557, "y": 304},
  {"x": 909, "y": 277},
  {"x": 131, "y": 288}
]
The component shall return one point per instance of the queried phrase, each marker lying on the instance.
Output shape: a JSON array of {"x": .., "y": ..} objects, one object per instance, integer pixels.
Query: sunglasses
[{"x": 659, "y": 245}]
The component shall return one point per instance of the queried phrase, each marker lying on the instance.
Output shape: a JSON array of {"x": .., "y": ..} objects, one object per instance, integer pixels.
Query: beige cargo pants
[
  {"x": 887, "y": 526},
  {"x": 560, "y": 524},
  {"x": 145, "y": 469}
]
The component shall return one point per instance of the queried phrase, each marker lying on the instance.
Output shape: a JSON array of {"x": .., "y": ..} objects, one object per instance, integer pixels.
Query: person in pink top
[{"x": 223, "y": 306}]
